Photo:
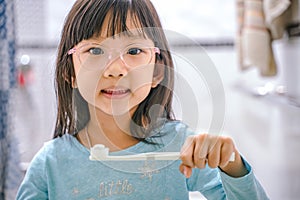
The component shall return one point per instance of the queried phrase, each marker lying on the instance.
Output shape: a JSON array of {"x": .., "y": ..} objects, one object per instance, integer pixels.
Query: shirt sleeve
[
  {"x": 215, "y": 184},
  {"x": 34, "y": 185},
  {"x": 246, "y": 187}
]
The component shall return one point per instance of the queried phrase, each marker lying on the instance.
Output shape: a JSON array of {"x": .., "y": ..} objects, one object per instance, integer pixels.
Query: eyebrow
[{"x": 135, "y": 37}]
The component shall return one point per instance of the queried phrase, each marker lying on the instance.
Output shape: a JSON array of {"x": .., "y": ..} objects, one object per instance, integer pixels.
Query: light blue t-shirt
[{"x": 62, "y": 170}]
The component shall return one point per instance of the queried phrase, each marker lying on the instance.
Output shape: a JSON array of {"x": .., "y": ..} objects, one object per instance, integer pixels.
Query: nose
[{"x": 116, "y": 68}]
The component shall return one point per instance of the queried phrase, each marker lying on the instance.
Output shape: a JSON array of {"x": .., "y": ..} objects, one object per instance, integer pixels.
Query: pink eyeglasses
[{"x": 94, "y": 56}]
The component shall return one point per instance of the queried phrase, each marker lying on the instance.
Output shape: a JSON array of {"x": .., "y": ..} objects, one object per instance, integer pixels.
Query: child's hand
[{"x": 213, "y": 150}]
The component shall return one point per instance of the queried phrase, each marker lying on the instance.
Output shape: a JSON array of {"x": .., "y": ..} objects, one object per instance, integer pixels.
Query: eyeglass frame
[{"x": 74, "y": 51}]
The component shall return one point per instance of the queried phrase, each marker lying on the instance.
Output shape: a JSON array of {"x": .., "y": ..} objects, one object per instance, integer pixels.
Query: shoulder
[
  {"x": 44, "y": 166},
  {"x": 63, "y": 142},
  {"x": 52, "y": 148}
]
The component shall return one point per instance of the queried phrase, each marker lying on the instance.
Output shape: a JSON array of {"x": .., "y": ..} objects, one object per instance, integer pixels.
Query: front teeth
[{"x": 115, "y": 91}]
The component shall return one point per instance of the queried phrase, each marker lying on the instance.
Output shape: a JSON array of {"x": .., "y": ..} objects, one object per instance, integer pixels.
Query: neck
[{"x": 111, "y": 131}]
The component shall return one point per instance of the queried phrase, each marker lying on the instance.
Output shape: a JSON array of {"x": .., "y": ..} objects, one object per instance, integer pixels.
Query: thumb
[{"x": 185, "y": 170}]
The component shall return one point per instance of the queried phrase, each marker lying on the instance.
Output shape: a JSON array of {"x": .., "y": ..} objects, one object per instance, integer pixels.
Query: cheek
[
  {"x": 142, "y": 91},
  {"x": 87, "y": 82},
  {"x": 141, "y": 83},
  {"x": 141, "y": 77}
]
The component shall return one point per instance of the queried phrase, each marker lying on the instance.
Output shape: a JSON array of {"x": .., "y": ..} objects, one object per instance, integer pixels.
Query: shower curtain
[{"x": 10, "y": 172}]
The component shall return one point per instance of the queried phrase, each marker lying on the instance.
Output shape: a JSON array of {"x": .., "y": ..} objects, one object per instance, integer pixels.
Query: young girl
[{"x": 114, "y": 83}]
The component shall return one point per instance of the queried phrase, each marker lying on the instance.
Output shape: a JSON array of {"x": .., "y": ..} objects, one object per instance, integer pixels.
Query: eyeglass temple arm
[
  {"x": 157, "y": 50},
  {"x": 71, "y": 51}
]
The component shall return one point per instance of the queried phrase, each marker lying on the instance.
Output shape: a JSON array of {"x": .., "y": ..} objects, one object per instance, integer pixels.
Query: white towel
[
  {"x": 277, "y": 16},
  {"x": 260, "y": 22}
]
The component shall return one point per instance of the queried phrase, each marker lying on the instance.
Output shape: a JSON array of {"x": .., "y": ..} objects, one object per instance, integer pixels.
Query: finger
[
  {"x": 227, "y": 149},
  {"x": 187, "y": 152},
  {"x": 186, "y": 170},
  {"x": 213, "y": 158},
  {"x": 201, "y": 150}
]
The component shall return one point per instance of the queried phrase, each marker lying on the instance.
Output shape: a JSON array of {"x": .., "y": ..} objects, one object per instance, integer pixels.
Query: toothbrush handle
[
  {"x": 142, "y": 156},
  {"x": 172, "y": 156},
  {"x": 148, "y": 156},
  {"x": 163, "y": 156}
]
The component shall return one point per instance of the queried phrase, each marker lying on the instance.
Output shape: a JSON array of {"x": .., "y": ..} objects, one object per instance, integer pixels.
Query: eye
[
  {"x": 134, "y": 51},
  {"x": 96, "y": 51}
]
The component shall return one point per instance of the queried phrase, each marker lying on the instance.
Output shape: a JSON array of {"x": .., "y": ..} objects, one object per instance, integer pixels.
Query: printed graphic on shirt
[
  {"x": 148, "y": 169},
  {"x": 112, "y": 188}
]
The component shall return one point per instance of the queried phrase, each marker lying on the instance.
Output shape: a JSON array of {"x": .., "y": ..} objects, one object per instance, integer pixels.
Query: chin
[{"x": 116, "y": 111}]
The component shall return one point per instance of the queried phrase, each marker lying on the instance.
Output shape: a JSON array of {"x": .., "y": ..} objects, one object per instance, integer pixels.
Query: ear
[
  {"x": 158, "y": 75},
  {"x": 74, "y": 82},
  {"x": 69, "y": 72}
]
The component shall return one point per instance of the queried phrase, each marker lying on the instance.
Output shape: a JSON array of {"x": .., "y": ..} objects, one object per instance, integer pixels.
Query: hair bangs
[{"x": 118, "y": 24}]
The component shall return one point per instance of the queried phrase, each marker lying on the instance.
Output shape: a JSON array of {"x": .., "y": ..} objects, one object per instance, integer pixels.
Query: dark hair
[{"x": 84, "y": 21}]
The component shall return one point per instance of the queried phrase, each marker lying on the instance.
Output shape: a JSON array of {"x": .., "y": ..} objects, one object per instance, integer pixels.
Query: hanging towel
[
  {"x": 260, "y": 22},
  {"x": 277, "y": 16}
]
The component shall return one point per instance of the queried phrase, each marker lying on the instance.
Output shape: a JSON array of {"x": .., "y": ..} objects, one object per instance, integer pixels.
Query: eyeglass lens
[{"x": 95, "y": 56}]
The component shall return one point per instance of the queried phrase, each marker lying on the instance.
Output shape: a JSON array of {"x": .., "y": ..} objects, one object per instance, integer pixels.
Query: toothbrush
[{"x": 100, "y": 152}]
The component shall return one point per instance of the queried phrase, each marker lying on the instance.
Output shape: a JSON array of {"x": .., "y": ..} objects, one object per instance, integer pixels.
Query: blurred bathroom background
[{"x": 261, "y": 110}]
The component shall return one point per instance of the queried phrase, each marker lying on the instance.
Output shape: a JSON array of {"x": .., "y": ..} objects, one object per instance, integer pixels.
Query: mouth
[{"x": 115, "y": 92}]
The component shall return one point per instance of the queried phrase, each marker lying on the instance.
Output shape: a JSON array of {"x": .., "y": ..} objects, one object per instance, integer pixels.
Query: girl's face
[{"x": 115, "y": 74}]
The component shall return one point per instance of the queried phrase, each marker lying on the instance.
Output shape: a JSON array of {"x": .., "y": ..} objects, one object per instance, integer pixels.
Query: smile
[{"x": 115, "y": 93}]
